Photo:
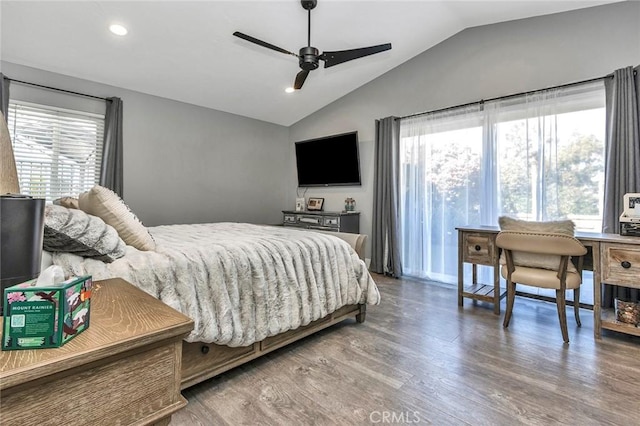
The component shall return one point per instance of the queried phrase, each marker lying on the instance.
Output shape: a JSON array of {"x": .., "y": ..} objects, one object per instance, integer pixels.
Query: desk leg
[
  {"x": 597, "y": 292},
  {"x": 460, "y": 269},
  {"x": 496, "y": 289}
]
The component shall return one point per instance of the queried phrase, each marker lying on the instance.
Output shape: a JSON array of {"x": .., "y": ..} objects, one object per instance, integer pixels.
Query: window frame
[{"x": 33, "y": 123}]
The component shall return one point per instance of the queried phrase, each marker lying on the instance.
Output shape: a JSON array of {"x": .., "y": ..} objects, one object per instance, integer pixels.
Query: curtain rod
[
  {"x": 506, "y": 97},
  {"x": 56, "y": 89}
]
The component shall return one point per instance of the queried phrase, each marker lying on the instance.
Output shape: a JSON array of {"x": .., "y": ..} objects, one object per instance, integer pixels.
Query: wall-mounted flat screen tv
[{"x": 329, "y": 161}]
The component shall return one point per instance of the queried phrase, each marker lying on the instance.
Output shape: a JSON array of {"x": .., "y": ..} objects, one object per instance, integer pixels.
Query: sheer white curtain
[
  {"x": 525, "y": 141},
  {"x": 536, "y": 157},
  {"x": 440, "y": 157}
]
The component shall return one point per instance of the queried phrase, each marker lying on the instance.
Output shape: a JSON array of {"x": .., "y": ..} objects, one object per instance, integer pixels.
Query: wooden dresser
[
  {"x": 125, "y": 369},
  {"x": 328, "y": 221}
]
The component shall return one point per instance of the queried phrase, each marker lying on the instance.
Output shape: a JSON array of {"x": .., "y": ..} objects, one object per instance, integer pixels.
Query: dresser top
[{"x": 321, "y": 213}]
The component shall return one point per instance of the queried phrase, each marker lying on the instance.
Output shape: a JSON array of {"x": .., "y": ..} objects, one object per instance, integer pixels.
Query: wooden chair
[{"x": 542, "y": 260}]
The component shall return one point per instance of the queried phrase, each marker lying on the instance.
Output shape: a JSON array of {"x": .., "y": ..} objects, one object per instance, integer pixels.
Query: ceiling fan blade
[
  {"x": 334, "y": 58},
  {"x": 300, "y": 78},
  {"x": 263, "y": 43}
]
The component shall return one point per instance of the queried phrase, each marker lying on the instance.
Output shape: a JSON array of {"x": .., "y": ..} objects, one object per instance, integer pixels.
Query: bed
[{"x": 250, "y": 289}]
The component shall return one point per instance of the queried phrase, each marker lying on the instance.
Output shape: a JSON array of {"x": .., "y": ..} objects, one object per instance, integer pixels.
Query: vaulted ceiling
[{"x": 184, "y": 50}]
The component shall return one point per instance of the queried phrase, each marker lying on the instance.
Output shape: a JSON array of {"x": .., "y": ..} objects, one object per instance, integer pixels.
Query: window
[
  {"x": 536, "y": 157},
  {"x": 58, "y": 151}
]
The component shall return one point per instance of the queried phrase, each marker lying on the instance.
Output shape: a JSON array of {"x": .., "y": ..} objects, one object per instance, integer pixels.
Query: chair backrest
[
  {"x": 542, "y": 243},
  {"x": 540, "y": 250}
]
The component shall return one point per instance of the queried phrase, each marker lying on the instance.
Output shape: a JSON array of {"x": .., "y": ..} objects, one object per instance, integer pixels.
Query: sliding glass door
[{"x": 535, "y": 157}]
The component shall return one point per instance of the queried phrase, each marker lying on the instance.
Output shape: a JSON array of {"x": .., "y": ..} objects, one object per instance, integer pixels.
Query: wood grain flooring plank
[{"x": 424, "y": 360}]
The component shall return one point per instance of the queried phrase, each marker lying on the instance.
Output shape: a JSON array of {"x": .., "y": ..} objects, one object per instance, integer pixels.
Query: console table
[
  {"x": 614, "y": 259},
  {"x": 126, "y": 367},
  {"x": 328, "y": 221}
]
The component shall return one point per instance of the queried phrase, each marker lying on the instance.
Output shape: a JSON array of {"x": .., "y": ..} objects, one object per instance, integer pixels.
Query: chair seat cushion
[{"x": 541, "y": 277}]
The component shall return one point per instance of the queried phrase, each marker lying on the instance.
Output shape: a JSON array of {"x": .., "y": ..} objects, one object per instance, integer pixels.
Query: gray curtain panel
[
  {"x": 385, "y": 247},
  {"x": 4, "y": 95},
  {"x": 111, "y": 175},
  {"x": 622, "y": 158}
]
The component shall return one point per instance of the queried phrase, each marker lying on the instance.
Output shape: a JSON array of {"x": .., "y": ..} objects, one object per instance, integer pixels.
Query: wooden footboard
[{"x": 202, "y": 361}]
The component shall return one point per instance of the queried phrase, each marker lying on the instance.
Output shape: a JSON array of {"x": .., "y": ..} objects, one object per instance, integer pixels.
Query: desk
[{"x": 613, "y": 258}]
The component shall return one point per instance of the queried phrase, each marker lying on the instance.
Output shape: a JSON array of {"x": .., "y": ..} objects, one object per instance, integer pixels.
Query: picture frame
[{"x": 315, "y": 204}]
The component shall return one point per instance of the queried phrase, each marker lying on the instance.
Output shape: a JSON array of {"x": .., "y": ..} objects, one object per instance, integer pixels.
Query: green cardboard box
[{"x": 46, "y": 316}]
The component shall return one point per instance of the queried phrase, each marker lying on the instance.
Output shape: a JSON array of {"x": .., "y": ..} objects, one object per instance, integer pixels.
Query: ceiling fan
[{"x": 309, "y": 56}]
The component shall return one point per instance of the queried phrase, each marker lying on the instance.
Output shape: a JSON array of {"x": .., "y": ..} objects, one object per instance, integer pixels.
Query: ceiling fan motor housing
[
  {"x": 309, "y": 58},
  {"x": 309, "y": 4}
]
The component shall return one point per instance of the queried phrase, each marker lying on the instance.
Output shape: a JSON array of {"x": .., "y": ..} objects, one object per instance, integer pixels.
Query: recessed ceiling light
[
  {"x": 289, "y": 90},
  {"x": 118, "y": 29}
]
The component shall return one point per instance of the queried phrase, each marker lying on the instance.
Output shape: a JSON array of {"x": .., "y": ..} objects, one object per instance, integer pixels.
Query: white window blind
[{"x": 58, "y": 151}]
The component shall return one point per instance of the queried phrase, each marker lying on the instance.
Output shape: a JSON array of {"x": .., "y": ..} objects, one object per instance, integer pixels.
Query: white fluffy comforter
[{"x": 240, "y": 283}]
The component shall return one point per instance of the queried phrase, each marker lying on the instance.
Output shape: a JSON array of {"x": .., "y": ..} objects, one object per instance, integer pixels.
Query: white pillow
[{"x": 108, "y": 206}]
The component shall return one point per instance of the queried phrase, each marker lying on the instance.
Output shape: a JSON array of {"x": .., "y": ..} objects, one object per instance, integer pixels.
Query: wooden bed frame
[{"x": 202, "y": 361}]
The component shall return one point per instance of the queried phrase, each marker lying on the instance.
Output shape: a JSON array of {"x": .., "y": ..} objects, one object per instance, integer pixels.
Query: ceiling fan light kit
[{"x": 309, "y": 56}]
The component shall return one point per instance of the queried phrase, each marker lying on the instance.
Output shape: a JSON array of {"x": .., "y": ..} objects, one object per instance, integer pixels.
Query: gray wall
[
  {"x": 477, "y": 63},
  {"x": 186, "y": 164},
  {"x": 183, "y": 163}
]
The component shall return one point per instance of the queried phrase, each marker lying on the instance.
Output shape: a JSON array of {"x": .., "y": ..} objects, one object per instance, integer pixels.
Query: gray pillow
[
  {"x": 68, "y": 202},
  {"x": 74, "y": 231}
]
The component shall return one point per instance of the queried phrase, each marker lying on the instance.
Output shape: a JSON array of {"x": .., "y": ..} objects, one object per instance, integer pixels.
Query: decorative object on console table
[
  {"x": 126, "y": 367},
  {"x": 22, "y": 224},
  {"x": 349, "y": 205},
  {"x": 328, "y": 221},
  {"x": 300, "y": 204},
  {"x": 315, "y": 204}
]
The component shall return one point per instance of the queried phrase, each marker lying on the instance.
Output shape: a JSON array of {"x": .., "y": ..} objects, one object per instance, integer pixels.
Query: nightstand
[{"x": 125, "y": 369}]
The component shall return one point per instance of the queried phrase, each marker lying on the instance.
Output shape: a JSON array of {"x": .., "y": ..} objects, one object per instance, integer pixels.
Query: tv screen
[{"x": 329, "y": 161}]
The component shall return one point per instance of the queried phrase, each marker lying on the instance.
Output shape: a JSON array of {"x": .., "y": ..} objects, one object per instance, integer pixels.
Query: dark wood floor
[{"x": 420, "y": 359}]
